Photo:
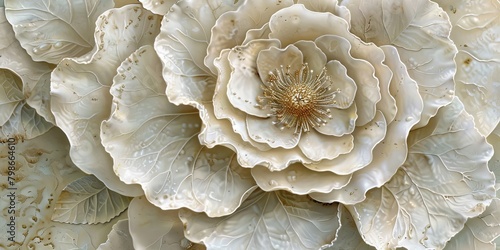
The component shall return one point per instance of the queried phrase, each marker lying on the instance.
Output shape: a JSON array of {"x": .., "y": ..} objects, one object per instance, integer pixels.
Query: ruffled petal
[
  {"x": 312, "y": 55},
  {"x": 244, "y": 86},
  {"x": 365, "y": 139},
  {"x": 264, "y": 131},
  {"x": 391, "y": 153},
  {"x": 298, "y": 179},
  {"x": 362, "y": 72},
  {"x": 318, "y": 147},
  {"x": 274, "y": 58},
  {"x": 231, "y": 27}
]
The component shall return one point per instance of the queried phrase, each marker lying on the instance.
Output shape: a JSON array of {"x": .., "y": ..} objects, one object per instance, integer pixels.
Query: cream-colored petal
[
  {"x": 274, "y": 58},
  {"x": 327, "y": 6},
  {"x": 318, "y": 147},
  {"x": 296, "y": 23},
  {"x": 244, "y": 86},
  {"x": 391, "y": 153},
  {"x": 259, "y": 33},
  {"x": 264, "y": 131},
  {"x": 343, "y": 122},
  {"x": 298, "y": 179},
  {"x": 365, "y": 139},
  {"x": 223, "y": 109},
  {"x": 312, "y": 55},
  {"x": 215, "y": 132},
  {"x": 361, "y": 71},
  {"x": 231, "y": 27},
  {"x": 159, "y": 7},
  {"x": 343, "y": 82},
  {"x": 420, "y": 30},
  {"x": 80, "y": 98}
]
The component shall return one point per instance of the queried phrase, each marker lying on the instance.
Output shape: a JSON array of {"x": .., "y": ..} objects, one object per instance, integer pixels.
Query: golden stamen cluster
[{"x": 299, "y": 100}]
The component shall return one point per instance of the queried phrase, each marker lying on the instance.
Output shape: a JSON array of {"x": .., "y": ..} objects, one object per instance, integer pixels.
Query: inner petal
[
  {"x": 318, "y": 147},
  {"x": 262, "y": 130},
  {"x": 244, "y": 85}
]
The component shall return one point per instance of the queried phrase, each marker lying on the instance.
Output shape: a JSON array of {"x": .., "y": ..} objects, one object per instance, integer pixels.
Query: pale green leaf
[
  {"x": 444, "y": 181},
  {"x": 88, "y": 201},
  {"x": 25, "y": 123},
  {"x": 51, "y": 30},
  {"x": 155, "y": 143},
  {"x": 266, "y": 220},
  {"x": 118, "y": 238},
  {"x": 153, "y": 228},
  {"x": 80, "y": 98},
  {"x": 43, "y": 169}
]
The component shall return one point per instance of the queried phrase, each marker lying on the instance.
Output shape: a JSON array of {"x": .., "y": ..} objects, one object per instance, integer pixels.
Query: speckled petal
[
  {"x": 274, "y": 58},
  {"x": 159, "y": 7},
  {"x": 223, "y": 109},
  {"x": 365, "y": 139},
  {"x": 231, "y": 27},
  {"x": 215, "y": 133},
  {"x": 80, "y": 98},
  {"x": 264, "y": 131},
  {"x": 318, "y": 147},
  {"x": 154, "y": 143},
  {"x": 298, "y": 179},
  {"x": 244, "y": 84}
]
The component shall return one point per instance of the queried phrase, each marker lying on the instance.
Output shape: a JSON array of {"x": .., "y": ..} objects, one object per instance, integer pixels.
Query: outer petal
[
  {"x": 476, "y": 26},
  {"x": 444, "y": 181},
  {"x": 231, "y": 28},
  {"x": 34, "y": 75},
  {"x": 154, "y": 143},
  {"x": 80, "y": 89},
  {"x": 390, "y": 154},
  {"x": 420, "y": 31},
  {"x": 182, "y": 44},
  {"x": 278, "y": 219},
  {"x": 159, "y": 7},
  {"x": 52, "y": 31},
  {"x": 299, "y": 180}
]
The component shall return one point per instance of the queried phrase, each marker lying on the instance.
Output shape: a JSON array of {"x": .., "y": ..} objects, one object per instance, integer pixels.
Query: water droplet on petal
[
  {"x": 409, "y": 118},
  {"x": 273, "y": 183}
]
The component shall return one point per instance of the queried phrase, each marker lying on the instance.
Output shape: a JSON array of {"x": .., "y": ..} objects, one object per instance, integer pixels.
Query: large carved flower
[{"x": 318, "y": 98}]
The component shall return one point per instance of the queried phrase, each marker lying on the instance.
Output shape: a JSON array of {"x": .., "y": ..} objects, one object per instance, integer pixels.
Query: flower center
[{"x": 300, "y": 100}]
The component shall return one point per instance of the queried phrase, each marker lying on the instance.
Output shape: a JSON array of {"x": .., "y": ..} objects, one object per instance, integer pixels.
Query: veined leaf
[
  {"x": 88, "y": 201},
  {"x": 266, "y": 220},
  {"x": 50, "y": 31},
  {"x": 118, "y": 238},
  {"x": 25, "y": 123},
  {"x": 444, "y": 181},
  {"x": 10, "y": 94}
]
